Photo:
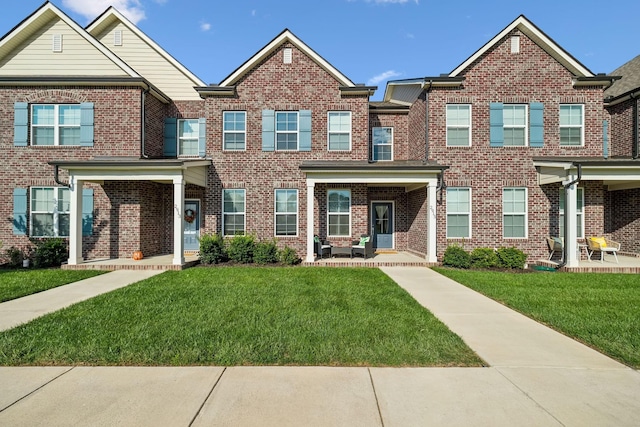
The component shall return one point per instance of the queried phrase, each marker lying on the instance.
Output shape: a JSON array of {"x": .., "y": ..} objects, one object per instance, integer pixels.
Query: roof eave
[
  {"x": 358, "y": 90},
  {"x": 207, "y": 91}
]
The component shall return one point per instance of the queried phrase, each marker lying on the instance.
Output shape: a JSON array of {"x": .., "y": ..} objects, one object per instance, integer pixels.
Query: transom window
[
  {"x": 233, "y": 212},
  {"x": 234, "y": 130},
  {"x": 188, "y": 131},
  {"x": 286, "y": 211},
  {"x": 339, "y": 212},
  {"x": 515, "y": 125},
  {"x": 382, "y": 138},
  {"x": 571, "y": 125},
  {"x": 458, "y": 125},
  {"x": 339, "y": 130},
  {"x": 286, "y": 130},
  {"x": 579, "y": 212},
  {"x": 514, "y": 212},
  {"x": 49, "y": 212},
  {"x": 458, "y": 212},
  {"x": 55, "y": 124}
]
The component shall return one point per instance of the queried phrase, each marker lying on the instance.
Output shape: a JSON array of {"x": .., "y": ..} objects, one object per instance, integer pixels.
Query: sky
[{"x": 369, "y": 41}]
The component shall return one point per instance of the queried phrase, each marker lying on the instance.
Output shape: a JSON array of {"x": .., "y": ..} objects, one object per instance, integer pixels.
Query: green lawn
[
  {"x": 243, "y": 316},
  {"x": 601, "y": 310},
  {"x": 18, "y": 283}
]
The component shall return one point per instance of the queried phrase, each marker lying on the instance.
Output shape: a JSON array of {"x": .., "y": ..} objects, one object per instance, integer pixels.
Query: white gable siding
[
  {"x": 149, "y": 63},
  {"x": 35, "y": 56}
]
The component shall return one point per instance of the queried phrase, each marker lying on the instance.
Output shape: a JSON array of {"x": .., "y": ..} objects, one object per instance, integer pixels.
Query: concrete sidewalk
[{"x": 537, "y": 378}]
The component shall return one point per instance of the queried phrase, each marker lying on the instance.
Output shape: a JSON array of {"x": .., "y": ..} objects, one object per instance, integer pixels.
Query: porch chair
[
  {"x": 556, "y": 244},
  {"x": 363, "y": 247},
  {"x": 322, "y": 247},
  {"x": 602, "y": 245}
]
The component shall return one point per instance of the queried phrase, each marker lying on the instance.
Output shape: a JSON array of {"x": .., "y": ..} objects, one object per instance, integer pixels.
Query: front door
[
  {"x": 191, "y": 225},
  {"x": 382, "y": 225}
]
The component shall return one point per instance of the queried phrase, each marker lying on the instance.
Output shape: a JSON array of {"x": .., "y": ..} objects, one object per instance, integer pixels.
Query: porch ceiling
[
  {"x": 619, "y": 173},
  {"x": 193, "y": 171}
]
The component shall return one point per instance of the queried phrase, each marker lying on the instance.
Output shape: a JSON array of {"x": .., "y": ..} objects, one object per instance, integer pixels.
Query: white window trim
[
  {"x": 224, "y": 131},
  {"x": 560, "y": 126},
  {"x": 373, "y": 144},
  {"x": 296, "y": 132},
  {"x": 56, "y": 212},
  {"x": 453, "y": 213},
  {"x": 525, "y": 213},
  {"x": 339, "y": 213},
  {"x": 329, "y": 132},
  {"x": 525, "y": 126},
  {"x": 181, "y": 138},
  {"x": 56, "y": 125},
  {"x": 276, "y": 213},
  {"x": 244, "y": 213},
  {"x": 580, "y": 196},
  {"x": 458, "y": 127}
]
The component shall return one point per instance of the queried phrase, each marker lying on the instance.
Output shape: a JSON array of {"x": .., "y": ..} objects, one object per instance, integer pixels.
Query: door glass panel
[{"x": 382, "y": 219}]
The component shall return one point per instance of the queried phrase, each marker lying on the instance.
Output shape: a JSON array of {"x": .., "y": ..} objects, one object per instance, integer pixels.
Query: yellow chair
[
  {"x": 556, "y": 244},
  {"x": 602, "y": 245}
]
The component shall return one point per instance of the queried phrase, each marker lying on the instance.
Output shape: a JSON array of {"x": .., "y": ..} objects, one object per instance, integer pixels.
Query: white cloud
[
  {"x": 253, "y": 12},
  {"x": 205, "y": 26},
  {"x": 382, "y": 77},
  {"x": 90, "y": 9}
]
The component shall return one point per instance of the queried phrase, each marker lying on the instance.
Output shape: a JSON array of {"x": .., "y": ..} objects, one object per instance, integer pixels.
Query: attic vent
[
  {"x": 57, "y": 42},
  {"x": 515, "y": 44},
  {"x": 287, "y": 55},
  {"x": 117, "y": 38}
]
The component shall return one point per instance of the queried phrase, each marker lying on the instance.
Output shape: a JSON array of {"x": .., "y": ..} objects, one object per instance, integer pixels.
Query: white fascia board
[
  {"x": 265, "y": 51},
  {"x": 372, "y": 177}
]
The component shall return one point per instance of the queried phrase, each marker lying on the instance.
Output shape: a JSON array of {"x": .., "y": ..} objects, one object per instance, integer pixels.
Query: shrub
[
  {"x": 212, "y": 249},
  {"x": 511, "y": 258},
  {"x": 50, "y": 253},
  {"x": 266, "y": 252},
  {"x": 14, "y": 257},
  {"x": 288, "y": 256},
  {"x": 241, "y": 249},
  {"x": 484, "y": 258},
  {"x": 456, "y": 256}
]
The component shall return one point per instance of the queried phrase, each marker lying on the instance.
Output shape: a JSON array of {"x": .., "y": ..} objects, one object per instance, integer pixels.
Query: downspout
[
  {"x": 441, "y": 184},
  {"x": 56, "y": 177},
  {"x": 635, "y": 148},
  {"x": 143, "y": 122},
  {"x": 565, "y": 247},
  {"x": 426, "y": 120}
]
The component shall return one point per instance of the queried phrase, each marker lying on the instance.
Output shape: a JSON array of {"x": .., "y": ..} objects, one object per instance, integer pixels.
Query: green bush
[
  {"x": 14, "y": 257},
  {"x": 50, "y": 253},
  {"x": 241, "y": 249},
  {"x": 212, "y": 249},
  {"x": 512, "y": 258},
  {"x": 456, "y": 256},
  {"x": 266, "y": 252},
  {"x": 288, "y": 256},
  {"x": 484, "y": 258}
]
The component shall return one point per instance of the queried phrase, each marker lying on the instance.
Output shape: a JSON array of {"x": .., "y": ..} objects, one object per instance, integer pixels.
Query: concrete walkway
[{"x": 537, "y": 378}]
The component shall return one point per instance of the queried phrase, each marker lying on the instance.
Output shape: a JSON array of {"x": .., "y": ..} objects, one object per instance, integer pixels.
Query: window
[
  {"x": 286, "y": 212},
  {"x": 339, "y": 212},
  {"x": 571, "y": 125},
  {"x": 188, "y": 132},
  {"x": 339, "y": 130},
  {"x": 234, "y": 130},
  {"x": 286, "y": 130},
  {"x": 458, "y": 125},
  {"x": 514, "y": 212},
  {"x": 458, "y": 212},
  {"x": 233, "y": 212},
  {"x": 515, "y": 125},
  {"x": 579, "y": 213},
  {"x": 49, "y": 212},
  {"x": 55, "y": 124},
  {"x": 382, "y": 143}
]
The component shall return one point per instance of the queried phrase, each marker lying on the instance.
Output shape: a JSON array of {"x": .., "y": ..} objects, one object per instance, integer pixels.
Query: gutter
[
  {"x": 56, "y": 177},
  {"x": 426, "y": 119},
  {"x": 565, "y": 247},
  {"x": 635, "y": 148}
]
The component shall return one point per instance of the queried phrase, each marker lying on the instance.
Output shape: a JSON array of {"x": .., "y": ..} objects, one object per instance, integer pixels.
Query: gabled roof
[
  {"x": 112, "y": 15},
  {"x": 630, "y": 79},
  {"x": 283, "y": 37},
  {"x": 42, "y": 16},
  {"x": 538, "y": 37}
]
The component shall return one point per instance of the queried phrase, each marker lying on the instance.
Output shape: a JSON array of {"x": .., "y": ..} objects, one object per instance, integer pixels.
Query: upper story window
[
  {"x": 53, "y": 124},
  {"x": 286, "y": 130},
  {"x": 188, "y": 133},
  {"x": 234, "y": 130},
  {"x": 515, "y": 125},
  {"x": 458, "y": 125},
  {"x": 572, "y": 124},
  {"x": 339, "y": 131},
  {"x": 382, "y": 141},
  {"x": 49, "y": 212}
]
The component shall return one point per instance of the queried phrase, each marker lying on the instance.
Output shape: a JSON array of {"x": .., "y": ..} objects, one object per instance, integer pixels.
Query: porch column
[
  {"x": 178, "y": 224},
  {"x": 75, "y": 221},
  {"x": 432, "y": 250},
  {"x": 310, "y": 219},
  {"x": 571, "y": 230}
]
